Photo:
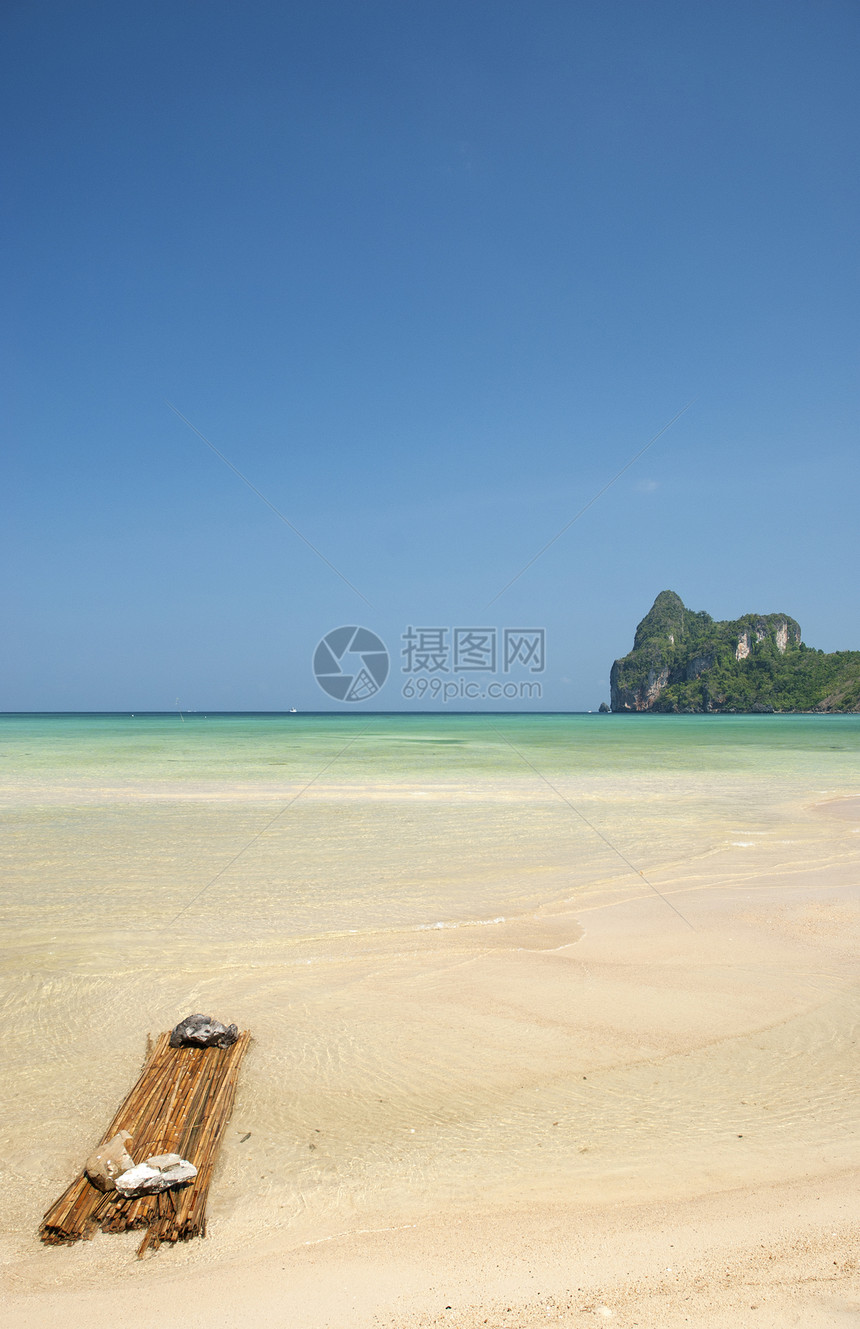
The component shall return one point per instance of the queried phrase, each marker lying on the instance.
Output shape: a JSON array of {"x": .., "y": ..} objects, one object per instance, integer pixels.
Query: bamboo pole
[{"x": 181, "y": 1103}]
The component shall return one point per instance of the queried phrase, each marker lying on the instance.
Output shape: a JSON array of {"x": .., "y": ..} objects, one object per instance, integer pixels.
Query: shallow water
[{"x": 394, "y": 905}]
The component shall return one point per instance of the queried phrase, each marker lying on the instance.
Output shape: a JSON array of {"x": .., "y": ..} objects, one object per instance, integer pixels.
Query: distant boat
[{"x": 293, "y": 711}]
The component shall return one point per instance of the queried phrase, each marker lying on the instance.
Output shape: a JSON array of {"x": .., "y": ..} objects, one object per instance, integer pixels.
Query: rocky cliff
[{"x": 685, "y": 661}]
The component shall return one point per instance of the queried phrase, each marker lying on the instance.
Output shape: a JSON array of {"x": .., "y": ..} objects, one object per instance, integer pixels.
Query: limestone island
[{"x": 684, "y": 662}]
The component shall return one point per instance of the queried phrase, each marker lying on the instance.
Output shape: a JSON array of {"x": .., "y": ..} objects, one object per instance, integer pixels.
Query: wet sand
[
  {"x": 769, "y": 1257},
  {"x": 616, "y": 1097},
  {"x": 692, "y": 1156}
]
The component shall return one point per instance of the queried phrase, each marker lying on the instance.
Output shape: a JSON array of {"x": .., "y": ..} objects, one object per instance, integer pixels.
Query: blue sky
[{"x": 429, "y": 276}]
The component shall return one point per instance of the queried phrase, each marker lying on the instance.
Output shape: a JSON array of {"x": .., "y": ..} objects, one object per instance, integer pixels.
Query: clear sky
[{"x": 429, "y": 275}]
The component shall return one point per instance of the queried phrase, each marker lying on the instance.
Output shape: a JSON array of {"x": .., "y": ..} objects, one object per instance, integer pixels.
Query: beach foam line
[{"x": 459, "y": 923}]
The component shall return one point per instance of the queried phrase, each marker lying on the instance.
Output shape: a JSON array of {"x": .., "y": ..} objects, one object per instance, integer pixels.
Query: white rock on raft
[{"x": 158, "y": 1173}]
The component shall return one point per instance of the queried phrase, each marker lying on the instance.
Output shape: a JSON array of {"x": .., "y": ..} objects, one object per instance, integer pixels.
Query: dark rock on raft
[{"x": 201, "y": 1031}]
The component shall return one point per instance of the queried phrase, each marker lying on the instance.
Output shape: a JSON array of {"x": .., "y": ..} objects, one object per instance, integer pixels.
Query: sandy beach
[{"x": 633, "y": 1102}]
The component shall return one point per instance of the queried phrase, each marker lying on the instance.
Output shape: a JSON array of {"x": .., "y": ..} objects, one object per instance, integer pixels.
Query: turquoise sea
[{"x": 311, "y": 824}]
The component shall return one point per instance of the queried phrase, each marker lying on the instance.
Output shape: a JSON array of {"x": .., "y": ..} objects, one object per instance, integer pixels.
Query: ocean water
[
  {"x": 394, "y": 904},
  {"x": 308, "y": 826}
]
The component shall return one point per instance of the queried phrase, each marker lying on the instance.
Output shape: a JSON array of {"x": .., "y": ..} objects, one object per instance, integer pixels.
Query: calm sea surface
[{"x": 308, "y": 825}]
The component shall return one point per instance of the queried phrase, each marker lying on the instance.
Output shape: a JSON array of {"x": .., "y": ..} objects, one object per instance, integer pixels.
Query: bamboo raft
[{"x": 181, "y": 1104}]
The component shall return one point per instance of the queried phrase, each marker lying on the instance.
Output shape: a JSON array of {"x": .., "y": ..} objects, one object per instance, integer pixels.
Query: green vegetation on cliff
[{"x": 684, "y": 661}]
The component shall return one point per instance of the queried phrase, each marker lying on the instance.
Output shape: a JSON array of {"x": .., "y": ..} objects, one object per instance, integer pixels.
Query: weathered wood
[{"x": 180, "y": 1104}]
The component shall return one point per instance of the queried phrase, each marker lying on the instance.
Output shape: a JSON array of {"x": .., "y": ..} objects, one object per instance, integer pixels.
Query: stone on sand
[{"x": 109, "y": 1161}]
